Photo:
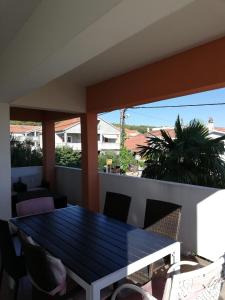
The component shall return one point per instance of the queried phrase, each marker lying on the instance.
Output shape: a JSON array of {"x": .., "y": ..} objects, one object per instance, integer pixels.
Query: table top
[{"x": 90, "y": 244}]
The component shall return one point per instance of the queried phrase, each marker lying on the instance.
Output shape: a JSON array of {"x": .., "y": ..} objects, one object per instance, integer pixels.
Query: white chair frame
[{"x": 180, "y": 285}]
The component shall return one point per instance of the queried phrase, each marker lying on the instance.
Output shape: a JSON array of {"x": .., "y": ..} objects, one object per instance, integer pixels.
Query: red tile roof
[
  {"x": 222, "y": 129},
  {"x": 133, "y": 142},
  {"x": 63, "y": 125},
  {"x": 140, "y": 139},
  {"x": 23, "y": 128},
  {"x": 157, "y": 133}
]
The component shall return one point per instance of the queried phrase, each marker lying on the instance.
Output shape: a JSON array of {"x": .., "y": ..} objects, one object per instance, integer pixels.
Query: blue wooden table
[{"x": 96, "y": 250}]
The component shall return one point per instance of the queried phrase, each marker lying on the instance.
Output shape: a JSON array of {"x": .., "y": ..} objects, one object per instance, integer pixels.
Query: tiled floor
[{"x": 25, "y": 287}]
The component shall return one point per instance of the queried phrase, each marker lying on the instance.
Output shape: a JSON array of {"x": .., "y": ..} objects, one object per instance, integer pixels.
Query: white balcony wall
[
  {"x": 101, "y": 146},
  {"x": 108, "y": 146},
  {"x": 31, "y": 176},
  {"x": 68, "y": 182},
  {"x": 203, "y": 208}
]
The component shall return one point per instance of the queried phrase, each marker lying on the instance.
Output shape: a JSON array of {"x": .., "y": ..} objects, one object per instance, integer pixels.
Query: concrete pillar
[
  {"x": 65, "y": 138},
  {"x": 90, "y": 178},
  {"x": 5, "y": 163},
  {"x": 48, "y": 133}
]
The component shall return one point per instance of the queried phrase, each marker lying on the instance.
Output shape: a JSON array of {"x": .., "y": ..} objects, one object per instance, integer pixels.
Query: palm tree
[{"x": 191, "y": 157}]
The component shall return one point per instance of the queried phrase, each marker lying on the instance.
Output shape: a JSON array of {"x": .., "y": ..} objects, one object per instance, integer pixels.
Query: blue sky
[{"x": 167, "y": 116}]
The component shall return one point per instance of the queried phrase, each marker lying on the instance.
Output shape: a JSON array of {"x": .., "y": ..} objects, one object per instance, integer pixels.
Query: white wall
[
  {"x": 32, "y": 176},
  {"x": 202, "y": 221},
  {"x": 69, "y": 183},
  {"x": 203, "y": 208},
  {"x": 5, "y": 166}
]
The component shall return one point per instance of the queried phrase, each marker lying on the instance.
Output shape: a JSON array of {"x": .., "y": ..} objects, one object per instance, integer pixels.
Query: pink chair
[
  {"x": 35, "y": 206},
  {"x": 201, "y": 284}
]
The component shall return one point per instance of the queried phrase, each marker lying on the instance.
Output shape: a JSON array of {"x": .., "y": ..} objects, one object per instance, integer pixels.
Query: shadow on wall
[
  {"x": 202, "y": 220},
  {"x": 202, "y": 208}
]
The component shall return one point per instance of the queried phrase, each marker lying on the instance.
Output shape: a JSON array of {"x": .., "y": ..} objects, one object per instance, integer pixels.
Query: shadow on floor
[{"x": 25, "y": 289}]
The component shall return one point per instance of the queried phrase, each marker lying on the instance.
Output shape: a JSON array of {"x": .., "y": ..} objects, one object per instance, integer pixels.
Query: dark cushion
[{"x": 117, "y": 206}]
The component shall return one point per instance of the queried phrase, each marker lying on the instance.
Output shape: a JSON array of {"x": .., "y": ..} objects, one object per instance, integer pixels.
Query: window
[
  {"x": 107, "y": 140},
  {"x": 69, "y": 139},
  {"x": 77, "y": 138},
  {"x": 30, "y": 134}
]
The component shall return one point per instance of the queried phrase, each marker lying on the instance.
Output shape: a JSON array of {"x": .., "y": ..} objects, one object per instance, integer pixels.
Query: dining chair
[
  {"x": 48, "y": 275},
  {"x": 163, "y": 218},
  {"x": 117, "y": 206},
  {"x": 35, "y": 206},
  {"x": 203, "y": 283},
  {"x": 13, "y": 265}
]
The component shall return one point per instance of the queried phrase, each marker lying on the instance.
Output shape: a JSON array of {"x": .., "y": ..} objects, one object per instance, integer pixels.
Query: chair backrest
[
  {"x": 46, "y": 272},
  {"x": 163, "y": 218},
  {"x": 204, "y": 283},
  {"x": 117, "y": 206},
  {"x": 33, "y": 194},
  {"x": 35, "y": 206},
  {"x": 200, "y": 284},
  {"x": 8, "y": 253}
]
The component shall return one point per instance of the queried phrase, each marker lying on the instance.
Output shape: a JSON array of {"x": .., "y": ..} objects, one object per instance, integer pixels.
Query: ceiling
[
  {"x": 13, "y": 15},
  {"x": 54, "y": 46},
  {"x": 197, "y": 23}
]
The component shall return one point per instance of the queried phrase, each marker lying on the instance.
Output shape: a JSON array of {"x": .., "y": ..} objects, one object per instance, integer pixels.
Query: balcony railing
[
  {"x": 202, "y": 222},
  {"x": 101, "y": 146}
]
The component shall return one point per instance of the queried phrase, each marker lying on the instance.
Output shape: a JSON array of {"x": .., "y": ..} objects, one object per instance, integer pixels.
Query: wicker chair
[
  {"x": 163, "y": 218},
  {"x": 199, "y": 284},
  {"x": 117, "y": 206}
]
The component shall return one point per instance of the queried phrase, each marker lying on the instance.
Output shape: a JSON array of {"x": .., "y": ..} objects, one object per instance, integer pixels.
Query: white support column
[
  {"x": 65, "y": 138},
  {"x": 5, "y": 163}
]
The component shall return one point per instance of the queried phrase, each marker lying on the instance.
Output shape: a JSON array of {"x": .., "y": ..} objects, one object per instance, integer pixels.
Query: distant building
[
  {"x": 23, "y": 132},
  {"x": 68, "y": 133},
  {"x": 132, "y": 142}
]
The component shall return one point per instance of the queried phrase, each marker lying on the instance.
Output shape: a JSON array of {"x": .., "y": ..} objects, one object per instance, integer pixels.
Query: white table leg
[
  {"x": 175, "y": 255},
  {"x": 92, "y": 293}
]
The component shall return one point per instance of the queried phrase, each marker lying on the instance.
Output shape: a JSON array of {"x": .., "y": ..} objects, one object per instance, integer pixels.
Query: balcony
[
  {"x": 68, "y": 59},
  {"x": 102, "y": 146},
  {"x": 202, "y": 208}
]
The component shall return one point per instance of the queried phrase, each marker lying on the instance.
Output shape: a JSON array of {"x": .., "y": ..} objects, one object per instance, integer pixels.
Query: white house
[
  {"x": 69, "y": 133},
  {"x": 23, "y": 132}
]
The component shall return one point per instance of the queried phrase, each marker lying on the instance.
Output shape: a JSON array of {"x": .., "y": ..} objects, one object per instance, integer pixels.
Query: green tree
[
  {"x": 191, "y": 157},
  {"x": 108, "y": 155},
  {"x": 127, "y": 160},
  {"x": 140, "y": 128},
  {"x": 23, "y": 154},
  {"x": 66, "y": 156}
]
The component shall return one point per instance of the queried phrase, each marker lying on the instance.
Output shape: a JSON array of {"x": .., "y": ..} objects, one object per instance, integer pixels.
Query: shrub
[
  {"x": 108, "y": 155},
  {"x": 23, "y": 154},
  {"x": 66, "y": 156}
]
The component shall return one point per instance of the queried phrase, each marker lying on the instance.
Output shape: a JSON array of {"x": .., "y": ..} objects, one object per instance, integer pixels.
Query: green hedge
[{"x": 23, "y": 154}]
